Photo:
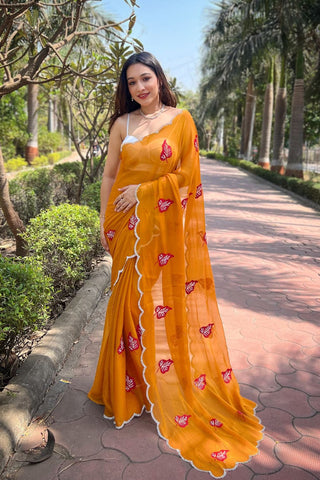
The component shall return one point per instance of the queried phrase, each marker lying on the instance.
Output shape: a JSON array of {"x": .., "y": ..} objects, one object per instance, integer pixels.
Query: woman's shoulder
[{"x": 182, "y": 113}]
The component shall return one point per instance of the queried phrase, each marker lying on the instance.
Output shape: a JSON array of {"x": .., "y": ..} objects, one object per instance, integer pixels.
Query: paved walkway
[{"x": 265, "y": 251}]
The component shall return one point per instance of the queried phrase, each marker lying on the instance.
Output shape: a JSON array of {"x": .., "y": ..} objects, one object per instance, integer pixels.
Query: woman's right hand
[{"x": 103, "y": 239}]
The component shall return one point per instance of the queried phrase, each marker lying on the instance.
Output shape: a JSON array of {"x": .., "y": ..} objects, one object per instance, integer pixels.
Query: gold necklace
[{"x": 151, "y": 116}]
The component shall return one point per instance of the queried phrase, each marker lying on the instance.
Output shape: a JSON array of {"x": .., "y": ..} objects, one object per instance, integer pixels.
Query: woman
[{"x": 163, "y": 347}]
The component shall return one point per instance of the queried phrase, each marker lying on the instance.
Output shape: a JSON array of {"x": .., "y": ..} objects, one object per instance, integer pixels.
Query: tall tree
[
  {"x": 56, "y": 32},
  {"x": 33, "y": 105},
  {"x": 277, "y": 163},
  {"x": 264, "y": 153}
]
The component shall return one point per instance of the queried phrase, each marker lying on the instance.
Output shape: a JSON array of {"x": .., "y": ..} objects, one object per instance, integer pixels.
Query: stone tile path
[{"x": 265, "y": 250}]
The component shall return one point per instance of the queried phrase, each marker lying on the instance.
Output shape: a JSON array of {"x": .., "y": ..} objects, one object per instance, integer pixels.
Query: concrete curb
[{"x": 25, "y": 392}]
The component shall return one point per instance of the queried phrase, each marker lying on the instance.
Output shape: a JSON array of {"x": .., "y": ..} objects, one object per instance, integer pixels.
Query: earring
[{"x": 131, "y": 99}]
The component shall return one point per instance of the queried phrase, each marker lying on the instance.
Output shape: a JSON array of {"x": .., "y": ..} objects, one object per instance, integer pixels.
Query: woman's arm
[{"x": 109, "y": 174}]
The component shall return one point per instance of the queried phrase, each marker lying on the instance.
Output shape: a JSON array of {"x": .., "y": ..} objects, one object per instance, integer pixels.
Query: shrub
[
  {"x": 15, "y": 164},
  {"x": 31, "y": 192},
  {"x": 25, "y": 296},
  {"x": 40, "y": 161},
  {"x": 49, "y": 141},
  {"x": 64, "y": 239},
  {"x": 91, "y": 196},
  {"x": 66, "y": 181},
  {"x": 53, "y": 157}
]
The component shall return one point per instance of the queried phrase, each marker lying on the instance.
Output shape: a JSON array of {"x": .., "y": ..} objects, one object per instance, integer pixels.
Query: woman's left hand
[{"x": 126, "y": 199}]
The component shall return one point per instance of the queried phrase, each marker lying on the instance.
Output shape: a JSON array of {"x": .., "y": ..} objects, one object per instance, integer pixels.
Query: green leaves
[
  {"x": 64, "y": 240},
  {"x": 25, "y": 298}
]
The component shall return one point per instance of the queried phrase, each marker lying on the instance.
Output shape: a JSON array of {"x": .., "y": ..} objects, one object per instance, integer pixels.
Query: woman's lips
[{"x": 143, "y": 96}]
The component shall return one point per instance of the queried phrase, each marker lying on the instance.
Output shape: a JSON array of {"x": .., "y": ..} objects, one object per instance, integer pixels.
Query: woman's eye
[
  {"x": 146, "y": 79},
  {"x": 131, "y": 83}
]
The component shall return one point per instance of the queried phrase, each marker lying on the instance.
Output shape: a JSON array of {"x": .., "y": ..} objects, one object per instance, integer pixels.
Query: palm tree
[
  {"x": 281, "y": 25},
  {"x": 264, "y": 154},
  {"x": 279, "y": 121}
]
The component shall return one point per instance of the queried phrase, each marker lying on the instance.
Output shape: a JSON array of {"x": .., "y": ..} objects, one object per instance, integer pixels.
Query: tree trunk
[
  {"x": 249, "y": 120},
  {"x": 295, "y": 156},
  {"x": 50, "y": 116},
  {"x": 15, "y": 223},
  {"x": 264, "y": 154},
  {"x": 279, "y": 121},
  {"x": 279, "y": 128},
  {"x": 251, "y": 128},
  {"x": 295, "y": 159},
  {"x": 32, "y": 145}
]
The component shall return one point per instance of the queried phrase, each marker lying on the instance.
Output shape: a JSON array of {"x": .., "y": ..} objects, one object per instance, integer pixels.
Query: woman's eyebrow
[{"x": 142, "y": 74}]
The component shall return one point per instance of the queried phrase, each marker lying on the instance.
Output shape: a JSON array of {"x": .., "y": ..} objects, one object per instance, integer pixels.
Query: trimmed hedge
[
  {"x": 31, "y": 192},
  {"x": 18, "y": 163},
  {"x": 91, "y": 195},
  {"x": 25, "y": 297},
  {"x": 15, "y": 164},
  {"x": 64, "y": 240},
  {"x": 307, "y": 189}
]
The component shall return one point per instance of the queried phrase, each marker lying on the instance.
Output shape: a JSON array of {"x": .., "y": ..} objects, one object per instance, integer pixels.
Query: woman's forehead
[{"x": 138, "y": 70}]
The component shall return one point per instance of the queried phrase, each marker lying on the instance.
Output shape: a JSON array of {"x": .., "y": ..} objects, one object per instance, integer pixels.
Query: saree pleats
[{"x": 164, "y": 346}]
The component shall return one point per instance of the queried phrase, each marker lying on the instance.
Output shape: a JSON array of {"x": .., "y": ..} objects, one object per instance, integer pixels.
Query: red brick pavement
[{"x": 265, "y": 250}]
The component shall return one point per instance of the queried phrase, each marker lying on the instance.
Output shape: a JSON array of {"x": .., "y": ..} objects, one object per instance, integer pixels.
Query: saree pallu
[{"x": 163, "y": 347}]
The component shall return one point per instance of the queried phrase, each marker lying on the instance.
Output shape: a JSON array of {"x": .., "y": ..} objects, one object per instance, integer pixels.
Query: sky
[{"x": 172, "y": 30}]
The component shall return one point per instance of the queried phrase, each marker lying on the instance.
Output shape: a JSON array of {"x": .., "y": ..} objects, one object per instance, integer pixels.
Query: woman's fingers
[
  {"x": 124, "y": 202},
  {"x": 126, "y": 199}
]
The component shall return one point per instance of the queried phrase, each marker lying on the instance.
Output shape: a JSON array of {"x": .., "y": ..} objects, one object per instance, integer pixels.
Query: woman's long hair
[{"x": 123, "y": 103}]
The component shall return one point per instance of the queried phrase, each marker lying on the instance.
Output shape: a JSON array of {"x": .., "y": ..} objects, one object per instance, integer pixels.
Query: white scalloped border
[{"x": 226, "y": 470}]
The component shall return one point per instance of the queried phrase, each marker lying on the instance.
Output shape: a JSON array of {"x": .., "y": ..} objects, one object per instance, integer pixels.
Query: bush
[
  {"x": 64, "y": 240},
  {"x": 25, "y": 296},
  {"x": 91, "y": 196},
  {"x": 53, "y": 157},
  {"x": 66, "y": 181},
  {"x": 15, "y": 164},
  {"x": 49, "y": 141},
  {"x": 40, "y": 161},
  {"x": 31, "y": 192}
]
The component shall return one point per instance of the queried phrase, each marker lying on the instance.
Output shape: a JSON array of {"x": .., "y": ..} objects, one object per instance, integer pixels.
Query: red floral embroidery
[
  {"x": 130, "y": 383},
  {"x": 166, "y": 151},
  {"x": 221, "y": 455},
  {"x": 190, "y": 286},
  {"x": 216, "y": 423},
  {"x": 241, "y": 415},
  {"x": 164, "y": 365},
  {"x": 185, "y": 201},
  {"x": 200, "y": 382},
  {"x": 161, "y": 311},
  {"x": 164, "y": 204},
  {"x": 198, "y": 191},
  {"x": 227, "y": 375},
  {"x": 182, "y": 420},
  {"x": 163, "y": 258},
  {"x": 206, "y": 330},
  {"x": 133, "y": 343},
  {"x": 110, "y": 234},
  {"x": 204, "y": 237},
  {"x": 132, "y": 222},
  {"x": 139, "y": 332},
  {"x": 120, "y": 349},
  {"x": 196, "y": 143}
]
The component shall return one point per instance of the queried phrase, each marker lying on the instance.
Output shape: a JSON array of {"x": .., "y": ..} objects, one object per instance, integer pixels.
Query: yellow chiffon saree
[{"x": 163, "y": 346}]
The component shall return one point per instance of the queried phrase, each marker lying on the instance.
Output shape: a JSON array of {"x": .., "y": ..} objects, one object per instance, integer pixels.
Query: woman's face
[{"x": 143, "y": 85}]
